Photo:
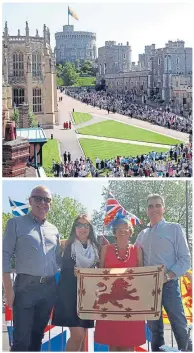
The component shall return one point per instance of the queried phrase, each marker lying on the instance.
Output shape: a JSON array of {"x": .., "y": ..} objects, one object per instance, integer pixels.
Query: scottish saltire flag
[
  {"x": 18, "y": 208},
  {"x": 113, "y": 207},
  {"x": 72, "y": 13}
]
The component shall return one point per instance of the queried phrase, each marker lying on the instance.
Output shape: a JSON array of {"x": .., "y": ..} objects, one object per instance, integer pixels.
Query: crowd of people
[
  {"x": 126, "y": 104},
  {"x": 177, "y": 162}
]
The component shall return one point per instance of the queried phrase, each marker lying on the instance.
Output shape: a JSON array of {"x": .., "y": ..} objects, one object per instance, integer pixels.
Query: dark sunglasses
[
  {"x": 41, "y": 198},
  {"x": 81, "y": 225}
]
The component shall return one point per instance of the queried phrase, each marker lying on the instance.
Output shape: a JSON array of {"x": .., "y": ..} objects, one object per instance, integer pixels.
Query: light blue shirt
[
  {"x": 35, "y": 245},
  {"x": 165, "y": 243}
]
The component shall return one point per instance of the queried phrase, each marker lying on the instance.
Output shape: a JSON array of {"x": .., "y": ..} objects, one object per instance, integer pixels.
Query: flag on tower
[
  {"x": 19, "y": 208},
  {"x": 72, "y": 13}
]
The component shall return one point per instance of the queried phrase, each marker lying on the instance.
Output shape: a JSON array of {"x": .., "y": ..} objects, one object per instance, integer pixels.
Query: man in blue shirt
[
  {"x": 35, "y": 243},
  {"x": 165, "y": 243}
]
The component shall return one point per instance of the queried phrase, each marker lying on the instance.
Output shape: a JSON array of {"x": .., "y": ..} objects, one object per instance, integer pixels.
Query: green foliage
[
  {"x": 81, "y": 117},
  {"x": 85, "y": 81},
  {"x": 50, "y": 151},
  {"x": 107, "y": 149},
  {"x": 60, "y": 81},
  {"x": 80, "y": 74},
  {"x": 63, "y": 212},
  {"x": 5, "y": 218},
  {"x": 132, "y": 195},
  {"x": 32, "y": 119},
  {"x": 111, "y": 128},
  {"x": 86, "y": 68},
  {"x": 16, "y": 117},
  {"x": 67, "y": 73}
]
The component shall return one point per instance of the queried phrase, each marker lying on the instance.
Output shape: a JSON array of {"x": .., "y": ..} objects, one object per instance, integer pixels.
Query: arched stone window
[
  {"x": 37, "y": 100},
  {"x": 18, "y": 64},
  {"x": 18, "y": 96},
  {"x": 36, "y": 64}
]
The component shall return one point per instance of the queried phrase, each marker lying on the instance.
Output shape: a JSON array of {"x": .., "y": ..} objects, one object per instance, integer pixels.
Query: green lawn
[
  {"x": 81, "y": 117},
  {"x": 110, "y": 128},
  {"x": 85, "y": 81},
  {"x": 104, "y": 149},
  {"x": 50, "y": 152}
]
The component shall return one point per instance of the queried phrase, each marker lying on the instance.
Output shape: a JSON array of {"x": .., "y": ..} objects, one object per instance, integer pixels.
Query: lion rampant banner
[
  {"x": 120, "y": 294},
  {"x": 186, "y": 293}
]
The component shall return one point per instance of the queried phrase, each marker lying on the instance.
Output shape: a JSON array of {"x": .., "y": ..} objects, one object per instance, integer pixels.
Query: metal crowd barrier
[{"x": 55, "y": 337}]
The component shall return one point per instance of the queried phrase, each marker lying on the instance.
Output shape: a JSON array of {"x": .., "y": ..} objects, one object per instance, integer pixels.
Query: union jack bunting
[
  {"x": 113, "y": 207},
  {"x": 18, "y": 208}
]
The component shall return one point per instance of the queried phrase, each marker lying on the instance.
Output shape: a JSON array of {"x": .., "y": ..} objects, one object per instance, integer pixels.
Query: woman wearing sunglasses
[{"x": 81, "y": 251}]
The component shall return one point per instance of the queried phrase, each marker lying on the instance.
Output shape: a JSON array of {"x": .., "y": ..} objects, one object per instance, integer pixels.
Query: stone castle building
[
  {"x": 114, "y": 58},
  {"x": 136, "y": 82},
  {"x": 164, "y": 73},
  {"x": 29, "y": 70},
  {"x": 163, "y": 63},
  {"x": 74, "y": 45}
]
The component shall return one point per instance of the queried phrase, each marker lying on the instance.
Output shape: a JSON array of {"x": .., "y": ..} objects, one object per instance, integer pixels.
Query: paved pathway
[
  {"x": 67, "y": 138},
  {"x": 122, "y": 141}
]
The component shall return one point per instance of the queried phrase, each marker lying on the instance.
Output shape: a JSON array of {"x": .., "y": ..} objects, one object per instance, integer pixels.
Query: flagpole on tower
[{"x": 68, "y": 15}]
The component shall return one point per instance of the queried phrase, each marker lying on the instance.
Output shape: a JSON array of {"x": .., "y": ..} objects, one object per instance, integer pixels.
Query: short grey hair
[
  {"x": 156, "y": 196},
  {"x": 40, "y": 187}
]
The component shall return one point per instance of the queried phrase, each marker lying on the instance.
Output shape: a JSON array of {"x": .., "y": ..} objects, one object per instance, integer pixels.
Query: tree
[
  {"x": 68, "y": 74},
  {"x": 32, "y": 120},
  {"x": 132, "y": 195},
  {"x": 5, "y": 218},
  {"x": 16, "y": 117},
  {"x": 63, "y": 212},
  {"x": 86, "y": 68}
]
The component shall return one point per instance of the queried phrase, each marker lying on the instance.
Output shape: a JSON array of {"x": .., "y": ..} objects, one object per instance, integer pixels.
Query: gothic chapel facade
[{"x": 29, "y": 69}]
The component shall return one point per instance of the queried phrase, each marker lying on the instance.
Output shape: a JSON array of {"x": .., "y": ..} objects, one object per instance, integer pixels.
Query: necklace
[{"x": 117, "y": 253}]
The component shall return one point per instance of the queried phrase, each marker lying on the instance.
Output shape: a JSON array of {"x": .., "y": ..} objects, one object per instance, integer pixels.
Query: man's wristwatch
[{"x": 168, "y": 277}]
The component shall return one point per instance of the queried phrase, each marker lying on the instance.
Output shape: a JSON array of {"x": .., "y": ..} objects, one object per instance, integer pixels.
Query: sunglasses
[
  {"x": 39, "y": 199},
  {"x": 81, "y": 225}
]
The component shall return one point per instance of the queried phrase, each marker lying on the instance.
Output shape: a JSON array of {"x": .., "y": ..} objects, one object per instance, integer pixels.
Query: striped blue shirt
[{"x": 165, "y": 243}]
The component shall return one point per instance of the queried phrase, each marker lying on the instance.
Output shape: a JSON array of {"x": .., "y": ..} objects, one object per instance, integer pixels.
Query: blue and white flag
[{"x": 18, "y": 208}]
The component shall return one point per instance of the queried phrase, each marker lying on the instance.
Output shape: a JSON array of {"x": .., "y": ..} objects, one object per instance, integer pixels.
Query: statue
[
  {"x": 4, "y": 60},
  {"x": 18, "y": 32},
  {"x": 29, "y": 64},
  {"x": 48, "y": 35}
]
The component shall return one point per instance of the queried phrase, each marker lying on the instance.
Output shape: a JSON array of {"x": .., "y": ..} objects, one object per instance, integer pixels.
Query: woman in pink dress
[{"x": 120, "y": 335}]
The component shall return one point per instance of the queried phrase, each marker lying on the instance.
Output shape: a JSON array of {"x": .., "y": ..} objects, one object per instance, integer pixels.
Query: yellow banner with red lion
[
  {"x": 120, "y": 294},
  {"x": 186, "y": 294}
]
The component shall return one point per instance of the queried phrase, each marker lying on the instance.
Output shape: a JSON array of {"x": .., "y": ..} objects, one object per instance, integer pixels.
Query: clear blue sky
[
  {"x": 87, "y": 191},
  {"x": 139, "y": 23}
]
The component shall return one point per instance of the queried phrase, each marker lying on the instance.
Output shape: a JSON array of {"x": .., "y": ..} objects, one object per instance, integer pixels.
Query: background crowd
[
  {"x": 127, "y": 105},
  {"x": 177, "y": 162}
]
